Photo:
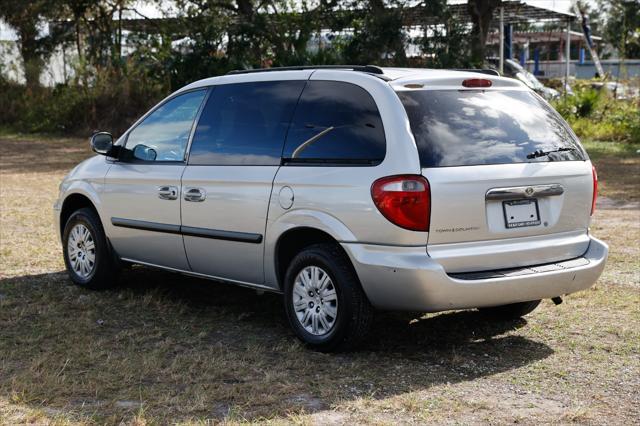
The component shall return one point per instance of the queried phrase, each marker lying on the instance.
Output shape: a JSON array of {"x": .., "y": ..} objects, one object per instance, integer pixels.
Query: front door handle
[
  {"x": 194, "y": 194},
  {"x": 168, "y": 192}
]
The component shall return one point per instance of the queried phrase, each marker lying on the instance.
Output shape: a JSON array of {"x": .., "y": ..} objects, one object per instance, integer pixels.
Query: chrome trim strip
[
  {"x": 191, "y": 231},
  {"x": 524, "y": 192},
  {"x": 198, "y": 275}
]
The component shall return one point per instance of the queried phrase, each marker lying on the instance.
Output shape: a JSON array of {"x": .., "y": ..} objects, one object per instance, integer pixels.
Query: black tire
[
  {"x": 105, "y": 269},
  {"x": 510, "y": 312},
  {"x": 354, "y": 312}
]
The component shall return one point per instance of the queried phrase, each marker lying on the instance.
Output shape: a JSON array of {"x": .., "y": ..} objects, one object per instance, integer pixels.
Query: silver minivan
[{"x": 347, "y": 190}]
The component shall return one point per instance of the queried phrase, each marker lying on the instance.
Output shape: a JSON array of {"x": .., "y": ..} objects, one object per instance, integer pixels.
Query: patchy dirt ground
[{"x": 164, "y": 348}]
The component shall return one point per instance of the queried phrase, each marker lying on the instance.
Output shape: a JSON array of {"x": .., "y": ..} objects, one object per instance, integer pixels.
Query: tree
[
  {"x": 97, "y": 28},
  {"x": 25, "y": 18},
  {"x": 76, "y": 10},
  {"x": 445, "y": 43},
  {"x": 622, "y": 26},
  {"x": 481, "y": 12},
  {"x": 378, "y": 34},
  {"x": 197, "y": 52}
]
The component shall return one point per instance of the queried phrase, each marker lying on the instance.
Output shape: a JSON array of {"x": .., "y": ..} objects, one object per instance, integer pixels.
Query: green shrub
[
  {"x": 586, "y": 102},
  {"x": 594, "y": 115},
  {"x": 110, "y": 101}
]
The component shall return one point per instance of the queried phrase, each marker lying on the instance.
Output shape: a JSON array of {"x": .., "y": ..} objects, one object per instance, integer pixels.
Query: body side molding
[{"x": 243, "y": 237}]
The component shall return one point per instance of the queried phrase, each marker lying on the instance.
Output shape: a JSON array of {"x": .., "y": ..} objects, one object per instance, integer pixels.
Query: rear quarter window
[
  {"x": 335, "y": 123},
  {"x": 473, "y": 127}
]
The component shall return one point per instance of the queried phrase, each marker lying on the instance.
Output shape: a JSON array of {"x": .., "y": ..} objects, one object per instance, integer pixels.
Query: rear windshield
[{"x": 468, "y": 128}]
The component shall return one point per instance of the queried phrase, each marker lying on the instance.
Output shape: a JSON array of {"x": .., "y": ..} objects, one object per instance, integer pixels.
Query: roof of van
[
  {"x": 398, "y": 78},
  {"x": 427, "y": 78}
]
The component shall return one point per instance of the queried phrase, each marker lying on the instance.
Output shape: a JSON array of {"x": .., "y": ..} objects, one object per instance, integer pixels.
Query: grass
[
  {"x": 164, "y": 348},
  {"x": 618, "y": 166}
]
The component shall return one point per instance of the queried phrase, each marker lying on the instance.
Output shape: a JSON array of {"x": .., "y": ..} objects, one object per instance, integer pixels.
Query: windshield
[{"x": 473, "y": 127}]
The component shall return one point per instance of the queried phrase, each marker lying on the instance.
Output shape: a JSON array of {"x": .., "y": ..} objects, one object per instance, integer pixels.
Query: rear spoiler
[{"x": 481, "y": 71}]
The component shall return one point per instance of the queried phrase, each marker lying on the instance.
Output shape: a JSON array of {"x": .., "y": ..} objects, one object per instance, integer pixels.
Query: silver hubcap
[
  {"x": 315, "y": 301},
  {"x": 81, "y": 250}
]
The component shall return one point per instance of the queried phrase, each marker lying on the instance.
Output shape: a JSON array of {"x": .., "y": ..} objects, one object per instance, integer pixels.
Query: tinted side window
[
  {"x": 245, "y": 123},
  {"x": 164, "y": 134},
  {"x": 335, "y": 122}
]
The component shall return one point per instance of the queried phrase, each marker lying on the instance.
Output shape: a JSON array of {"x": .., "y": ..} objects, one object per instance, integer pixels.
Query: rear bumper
[{"x": 406, "y": 278}]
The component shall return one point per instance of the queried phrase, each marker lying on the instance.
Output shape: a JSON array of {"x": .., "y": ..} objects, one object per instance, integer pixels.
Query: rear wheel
[
  {"x": 87, "y": 254},
  {"x": 512, "y": 311},
  {"x": 324, "y": 302}
]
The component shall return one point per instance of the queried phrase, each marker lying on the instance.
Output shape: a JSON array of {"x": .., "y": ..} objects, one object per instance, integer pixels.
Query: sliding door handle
[
  {"x": 194, "y": 194},
  {"x": 168, "y": 192}
]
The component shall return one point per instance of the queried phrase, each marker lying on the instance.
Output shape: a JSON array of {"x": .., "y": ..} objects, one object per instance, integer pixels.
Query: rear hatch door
[{"x": 510, "y": 184}]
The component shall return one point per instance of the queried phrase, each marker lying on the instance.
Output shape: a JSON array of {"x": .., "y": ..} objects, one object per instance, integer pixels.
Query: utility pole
[{"x": 586, "y": 32}]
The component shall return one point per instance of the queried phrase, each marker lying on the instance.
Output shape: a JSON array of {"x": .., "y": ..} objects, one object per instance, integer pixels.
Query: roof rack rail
[
  {"x": 488, "y": 71},
  {"x": 371, "y": 69}
]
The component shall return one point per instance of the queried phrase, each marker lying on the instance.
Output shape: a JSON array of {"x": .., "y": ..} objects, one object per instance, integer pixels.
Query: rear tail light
[
  {"x": 595, "y": 189},
  {"x": 404, "y": 200},
  {"x": 477, "y": 82}
]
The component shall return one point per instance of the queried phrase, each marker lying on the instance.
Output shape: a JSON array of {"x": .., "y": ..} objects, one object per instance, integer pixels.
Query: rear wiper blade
[{"x": 541, "y": 153}]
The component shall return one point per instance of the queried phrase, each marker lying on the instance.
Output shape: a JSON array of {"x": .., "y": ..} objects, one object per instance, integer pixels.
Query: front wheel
[
  {"x": 87, "y": 255},
  {"x": 512, "y": 311},
  {"x": 324, "y": 302}
]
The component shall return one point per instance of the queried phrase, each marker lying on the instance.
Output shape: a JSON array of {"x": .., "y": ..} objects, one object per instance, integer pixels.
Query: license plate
[{"x": 520, "y": 213}]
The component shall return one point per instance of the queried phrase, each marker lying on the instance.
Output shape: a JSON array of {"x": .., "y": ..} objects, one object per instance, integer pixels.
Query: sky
[{"x": 152, "y": 10}]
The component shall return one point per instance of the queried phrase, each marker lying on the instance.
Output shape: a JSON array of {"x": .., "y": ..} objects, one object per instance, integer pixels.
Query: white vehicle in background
[
  {"x": 617, "y": 90},
  {"x": 346, "y": 189},
  {"x": 514, "y": 70}
]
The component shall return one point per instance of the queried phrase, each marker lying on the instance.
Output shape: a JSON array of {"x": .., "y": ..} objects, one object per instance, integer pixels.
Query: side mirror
[
  {"x": 102, "y": 143},
  {"x": 145, "y": 153}
]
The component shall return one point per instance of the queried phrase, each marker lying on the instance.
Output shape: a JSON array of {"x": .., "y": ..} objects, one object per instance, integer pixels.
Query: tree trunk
[
  {"x": 377, "y": 7},
  {"x": 481, "y": 12},
  {"x": 33, "y": 64},
  {"x": 78, "y": 34}
]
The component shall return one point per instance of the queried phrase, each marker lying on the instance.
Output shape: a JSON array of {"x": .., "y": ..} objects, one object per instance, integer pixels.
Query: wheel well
[
  {"x": 294, "y": 241},
  {"x": 72, "y": 203}
]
